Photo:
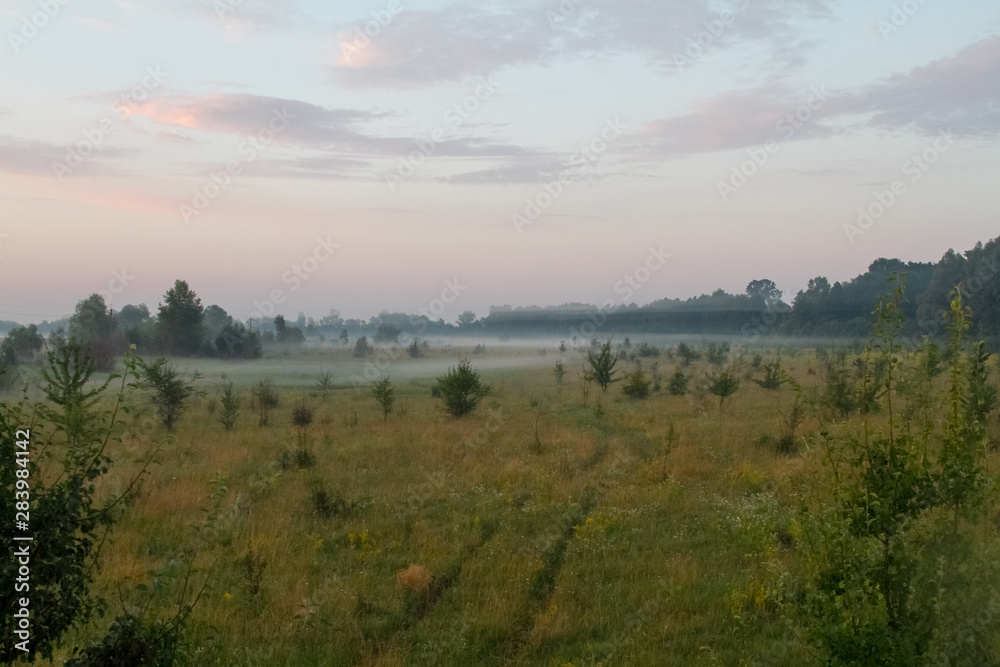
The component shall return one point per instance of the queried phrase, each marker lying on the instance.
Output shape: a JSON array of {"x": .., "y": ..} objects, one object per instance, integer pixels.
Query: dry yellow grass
[
  {"x": 650, "y": 587},
  {"x": 416, "y": 579}
]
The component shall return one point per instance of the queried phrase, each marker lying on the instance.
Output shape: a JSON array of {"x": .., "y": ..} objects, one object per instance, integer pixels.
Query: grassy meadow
[{"x": 552, "y": 527}]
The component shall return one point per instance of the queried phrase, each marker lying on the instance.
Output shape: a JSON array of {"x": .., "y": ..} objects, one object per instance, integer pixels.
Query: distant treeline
[
  {"x": 183, "y": 327},
  {"x": 841, "y": 309}
]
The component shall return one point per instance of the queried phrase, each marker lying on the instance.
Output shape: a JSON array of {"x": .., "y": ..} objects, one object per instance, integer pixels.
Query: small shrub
[
  {"x": 363, "y": 348},
  {"x": 230, "y": 402},
  {"x": 385, "y": 393},
  {"x": 602, "y": 365},
  {"x": 304, "y": 457},
  {"x": 326, "y": 505},
  {"x": 301, "y": 457},
  {"x": 687, "y": 354},
  {"x": 717, "y": 353},
  {"x": 637, "y": 386},
  {"x": 723, "y": 385},
  {"x": 265, "y": 398},
  {"x": 462, "y": 389},
  {"x": 171, "y": 392},
  {"x": 839, "y": 393},
  {"x": 559, "y": 371},
  {"x": 325, "y": 383},
  {"x": 646, "y": 350},
  {"x": 302, "y": 416},
  {"x": 677, "y": 385},
  {"x": 773, "y": 378},
  {"x": 252, "y": 568}
]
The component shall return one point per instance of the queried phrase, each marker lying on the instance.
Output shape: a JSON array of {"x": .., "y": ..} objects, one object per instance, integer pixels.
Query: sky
[{"x": 287, "y": 156}]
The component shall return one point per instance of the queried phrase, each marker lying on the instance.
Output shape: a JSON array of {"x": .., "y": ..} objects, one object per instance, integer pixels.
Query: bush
[
  {"x": 132, "y": 642},
  {"x": 68, "y": 522},
  {"x": 235, "y": 341},
  {"x": 462, "y": 389},
  {"x": 772, "y": 376},
  {"x": 171, "y": 391},
  {"x": 362, "y": 348},
  {"x": 677, "y": 385},
  {"x": 646, "y": 350},
  {"x": 903, "y": 574},
  {"x": 325, "y": 383},
  {"x": 637, "y": 386},
  {"x": 839, "y": 393},
  {"x": 717, "y": 353},
  {"x": 723, "y": 385},
  {"x": 301, "y": 458},
  {"x": 687, "y": 354},
  {"x": 21, "y": 345},
  {"x": 602, "y": 365},
  {"x": 385, "y": 394},
  {"x": 302, "y": 416},
  {"x": 265, "y": 398},
  {"x": 326, "y": 505},
  {"x": 230, "y": 405},
  {"x": 9, "y": 377}
]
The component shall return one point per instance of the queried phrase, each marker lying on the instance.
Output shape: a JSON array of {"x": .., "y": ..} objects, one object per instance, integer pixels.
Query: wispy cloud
[
  {"x": 36, "y": 158},
  {"x": 425, "y": 48},
  {"x": 320, "y": 142},
  {"x": 960, "y": 93},
  {"x": 729, "y": 121}
]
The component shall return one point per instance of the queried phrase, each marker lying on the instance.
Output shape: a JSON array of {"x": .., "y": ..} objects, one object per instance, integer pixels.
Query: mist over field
[{"x": 562, "y": 333}]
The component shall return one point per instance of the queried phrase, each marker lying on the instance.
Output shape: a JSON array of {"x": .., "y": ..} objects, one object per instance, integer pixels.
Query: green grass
[{"x": 557, "y": 534}]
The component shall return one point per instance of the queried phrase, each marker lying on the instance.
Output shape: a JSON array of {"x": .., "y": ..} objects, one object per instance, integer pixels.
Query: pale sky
[{"x": 533, "y": 153}]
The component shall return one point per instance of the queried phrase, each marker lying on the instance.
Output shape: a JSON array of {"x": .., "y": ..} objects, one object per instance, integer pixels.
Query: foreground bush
[
  {"x": 462, "y": 389},
  {"x": 902, "y": 573}
]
